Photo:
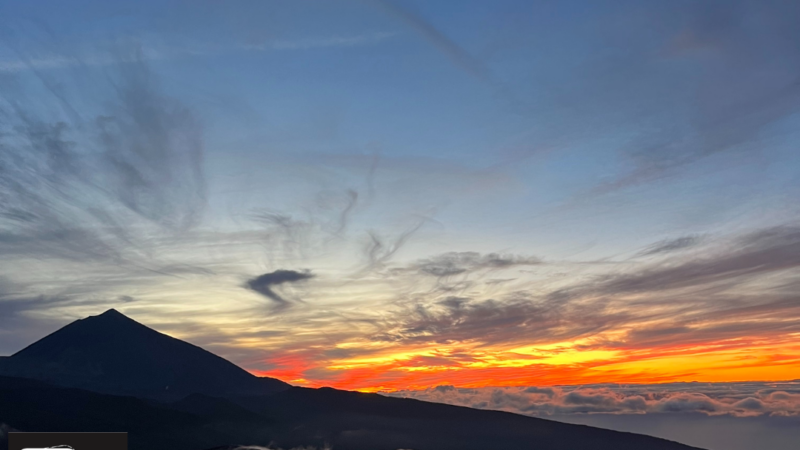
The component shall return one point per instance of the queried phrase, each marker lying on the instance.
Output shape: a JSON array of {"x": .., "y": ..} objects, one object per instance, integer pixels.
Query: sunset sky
[{"x": 397, "y": 195}]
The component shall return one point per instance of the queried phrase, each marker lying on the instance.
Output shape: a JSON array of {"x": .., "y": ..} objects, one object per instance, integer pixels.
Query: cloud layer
[{"x": 734, "y": 399}]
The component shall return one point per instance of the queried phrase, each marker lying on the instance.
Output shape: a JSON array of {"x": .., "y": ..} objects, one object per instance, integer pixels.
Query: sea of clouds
[{"x": 734, "y": 399}]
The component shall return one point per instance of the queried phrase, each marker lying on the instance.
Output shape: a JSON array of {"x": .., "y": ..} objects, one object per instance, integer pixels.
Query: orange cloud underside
[{"x": 740, "y": 359}]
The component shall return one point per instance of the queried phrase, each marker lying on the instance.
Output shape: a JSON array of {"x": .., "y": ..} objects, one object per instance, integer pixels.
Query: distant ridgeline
[{"x": 111, "y": 373}]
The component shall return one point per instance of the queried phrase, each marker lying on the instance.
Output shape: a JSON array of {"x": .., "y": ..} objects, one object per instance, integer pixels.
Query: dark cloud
[
  {"x": 516, "y": 319},
  {"x": 547, "y": 391},
  {"x": 754, "y": 254},
  {"x": 265, "y": 284}
]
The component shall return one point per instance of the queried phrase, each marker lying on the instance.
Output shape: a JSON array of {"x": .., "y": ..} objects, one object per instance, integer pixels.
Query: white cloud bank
[{"x": 733, "y": 399}]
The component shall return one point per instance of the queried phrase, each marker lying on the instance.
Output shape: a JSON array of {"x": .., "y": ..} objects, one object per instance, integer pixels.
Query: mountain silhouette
[
  {"x": 110, "y": 373},
  {"x": 114, "y": 354}
]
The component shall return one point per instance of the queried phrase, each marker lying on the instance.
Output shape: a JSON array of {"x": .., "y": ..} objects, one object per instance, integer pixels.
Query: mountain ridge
[{"x": 112, "y": 353}]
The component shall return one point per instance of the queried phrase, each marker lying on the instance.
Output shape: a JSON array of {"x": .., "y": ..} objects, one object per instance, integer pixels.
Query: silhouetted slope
[
  {"x": 217, "y": 409},
  {"x": 28, "y": 406},
  {"x": 114, "y": 354},
  {"x": 358, "y": 421}
]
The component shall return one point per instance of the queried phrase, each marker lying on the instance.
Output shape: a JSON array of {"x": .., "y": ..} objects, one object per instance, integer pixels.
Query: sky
[{"x": 395, "y": 195}]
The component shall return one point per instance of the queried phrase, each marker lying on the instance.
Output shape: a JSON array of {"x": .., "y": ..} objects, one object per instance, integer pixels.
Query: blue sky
[{"x": 554, "y": 102}]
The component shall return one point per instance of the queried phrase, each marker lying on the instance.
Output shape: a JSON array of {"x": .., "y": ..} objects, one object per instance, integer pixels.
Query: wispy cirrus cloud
[
  {"x": 155, "y": 51},
  {"x": 671, "y": 245},
  {"x": 459, "y": 263},
  {"x": 455, "y": 52},
  {"x": 324, "y": 42},
  {"x": 624, "y": 299},
  {"x": 87, "y": 191},
  {"x": 459, "y": 319}
]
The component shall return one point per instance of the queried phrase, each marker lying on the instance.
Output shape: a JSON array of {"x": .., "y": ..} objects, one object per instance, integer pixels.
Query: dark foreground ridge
[{"x": 222, "y": 405}]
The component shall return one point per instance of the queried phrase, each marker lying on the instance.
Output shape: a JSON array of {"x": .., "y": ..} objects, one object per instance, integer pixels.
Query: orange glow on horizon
[{"x": 741, "y": 359}]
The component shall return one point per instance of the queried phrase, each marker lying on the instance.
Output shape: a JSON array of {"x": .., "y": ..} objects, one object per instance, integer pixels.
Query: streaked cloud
[
  {"x": 458, "y": 263},
  {"x": 102, "y": 188},
  {"x": 453, "y": 51},
  {"x": 160, "y": 51},
  {"x": 671, "y": 245},
  {"x": 325, "y": 42}
]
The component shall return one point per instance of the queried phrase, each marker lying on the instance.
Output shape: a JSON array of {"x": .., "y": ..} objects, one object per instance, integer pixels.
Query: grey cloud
[
  {"x": 379, "y": 249},
  {"x": 671, "y": 245},
  {"x": 344, "y": 216},
  {"x": 679, "y": 300},
  {"x": 728, "y": 70},
  {"x": 457, "y": 263},
  {"x": 326, "y": 221},
  {"x": 265, "y": 284},
  {"x": 154, "y": 150},
  {"x": 293, "y": 237},
  {"x": 99, "y": 190},
  {"x": 457, "y": 54},
  {"x": 753, "y": 254},
  {"x": 517, "y": 318},
  {"x": 297, "y": 236},
  {"x": 549, "y": 392},
  {"x": 689, "y": 402},
  {"x": 719, "y": 319}
]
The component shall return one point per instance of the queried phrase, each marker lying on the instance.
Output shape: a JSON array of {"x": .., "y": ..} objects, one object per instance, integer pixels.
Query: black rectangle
[{"x": 77, "y": 441}]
